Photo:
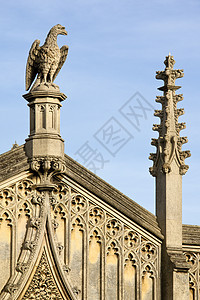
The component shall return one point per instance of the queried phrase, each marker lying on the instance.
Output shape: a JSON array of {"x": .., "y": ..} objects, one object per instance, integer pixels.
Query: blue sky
[{"x": 115, "y": 48}]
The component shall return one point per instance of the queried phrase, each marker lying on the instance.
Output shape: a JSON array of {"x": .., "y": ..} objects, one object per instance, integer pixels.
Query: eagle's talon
[{"x": 54, "y": 85}]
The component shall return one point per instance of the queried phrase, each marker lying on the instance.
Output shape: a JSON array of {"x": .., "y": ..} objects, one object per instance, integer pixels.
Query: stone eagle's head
[{"x": 58, "y": 29}]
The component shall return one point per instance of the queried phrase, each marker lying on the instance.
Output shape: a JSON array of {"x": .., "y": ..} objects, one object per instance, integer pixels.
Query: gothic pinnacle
[{"x": 169, "y": 142}]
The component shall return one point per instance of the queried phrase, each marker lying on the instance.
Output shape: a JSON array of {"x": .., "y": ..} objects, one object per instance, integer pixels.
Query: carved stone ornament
[
  {"x": 46, "y": 61},
  {"x": 169, "y": 142},
  {"x": 46, "y": 167},
  {"x": 43, "y": 285}
]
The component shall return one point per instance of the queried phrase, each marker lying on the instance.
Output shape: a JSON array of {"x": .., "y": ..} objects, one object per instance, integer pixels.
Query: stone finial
[
  {"x": 14, "y": 146},
  {"x": 169, "y": 143},
  {"x": 46, "y": 61}
]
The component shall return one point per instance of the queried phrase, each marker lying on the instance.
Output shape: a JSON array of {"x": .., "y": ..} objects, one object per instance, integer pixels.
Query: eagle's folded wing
[
  {"x": 63, "y": 56},
  {"x": 31, "y": 69}
]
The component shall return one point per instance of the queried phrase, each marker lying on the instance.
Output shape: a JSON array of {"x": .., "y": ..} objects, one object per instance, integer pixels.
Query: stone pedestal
[{"x": 44, "y": 138}]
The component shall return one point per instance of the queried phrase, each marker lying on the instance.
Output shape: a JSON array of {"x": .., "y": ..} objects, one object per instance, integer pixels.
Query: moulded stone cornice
[
  {"x": 178, "y": 260},
  {"x": 41, "y": 94}
]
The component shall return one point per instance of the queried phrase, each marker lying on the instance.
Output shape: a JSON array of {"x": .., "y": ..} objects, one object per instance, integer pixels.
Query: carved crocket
[{"x": 47, "y": 60}]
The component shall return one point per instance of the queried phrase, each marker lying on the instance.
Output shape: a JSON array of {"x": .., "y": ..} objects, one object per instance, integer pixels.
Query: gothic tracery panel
[
  {"x": 102, "y": 254},
  {"x": 193, "y": 259},
  {"x": 106, "y": 256}
]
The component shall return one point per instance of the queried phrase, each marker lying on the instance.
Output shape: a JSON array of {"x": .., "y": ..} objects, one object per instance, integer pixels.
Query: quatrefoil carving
[
  {"x": 131, "y": 239},
  {"x": 114, "y": 227},
  {"x": 7, "y": 197},
  {"x": 192, "y": 260},
  {"x": 96, "y": 216},
  {"x": 78, "y": 203},
  {"x": 148, "y": 251}
]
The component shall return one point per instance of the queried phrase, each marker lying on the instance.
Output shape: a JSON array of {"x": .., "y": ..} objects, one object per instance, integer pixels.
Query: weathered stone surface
[
  {"x": 191, "y": 235},
  {"x": 46, "y": 61},
  {"x": 67, "y": 234},
  {"x": 112, "y": 196},
  {"x": 13, "y": 163},
  {"x": 43, "y": 285},
  {"x": 44, "y": 138},
  {"x": 168, "y": 168}
]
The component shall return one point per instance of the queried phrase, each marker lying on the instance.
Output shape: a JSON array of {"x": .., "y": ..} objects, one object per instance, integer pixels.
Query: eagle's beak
[{"x": 64, "y": 32}]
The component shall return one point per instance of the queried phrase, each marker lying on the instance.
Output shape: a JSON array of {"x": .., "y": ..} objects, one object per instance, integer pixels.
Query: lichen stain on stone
[
  {"x": 5, "y": 232},
  {"x": 112, "y": 258},
  {"x": 147, "y": 290},
  {"x": 21, "y": 226},
  {"x": 129, "y": 272},
  {"x": 76, "y": 240},
  {"x": 94, "y": 251},
  {"x": 129, "y": 281},
  {"x": 5, "y": 247},
  {"x": 61, "y": 229}
]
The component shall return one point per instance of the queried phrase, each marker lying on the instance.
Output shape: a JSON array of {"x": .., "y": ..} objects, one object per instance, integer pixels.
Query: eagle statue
[{"x": 46, "y": 61}]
